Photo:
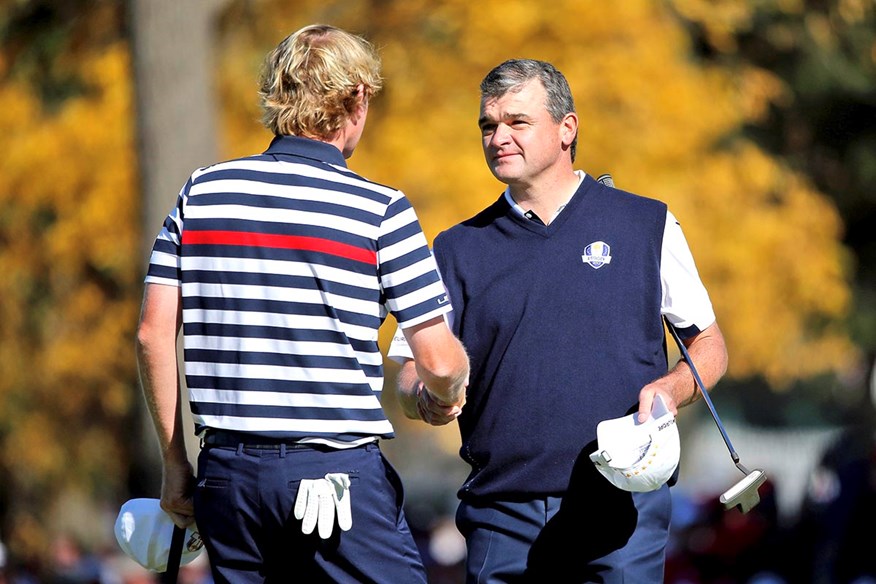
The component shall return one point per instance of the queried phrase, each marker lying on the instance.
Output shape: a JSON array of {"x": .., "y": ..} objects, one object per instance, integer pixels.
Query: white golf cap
[
  {"x": 638, "y": 456},
  {"x": 144, "y": 532}
]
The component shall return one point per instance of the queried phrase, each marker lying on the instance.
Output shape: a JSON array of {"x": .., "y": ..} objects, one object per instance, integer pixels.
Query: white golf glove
[{"x": 317, "y": 501}]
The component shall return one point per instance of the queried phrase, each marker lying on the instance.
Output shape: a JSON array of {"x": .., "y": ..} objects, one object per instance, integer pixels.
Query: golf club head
[{"x": 744, "y": 493}]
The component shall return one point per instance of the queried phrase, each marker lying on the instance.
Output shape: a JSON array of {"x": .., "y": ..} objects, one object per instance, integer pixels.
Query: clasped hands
[
  {"x": 318, "y": 500},
  {"x": 434, "y": 412}
]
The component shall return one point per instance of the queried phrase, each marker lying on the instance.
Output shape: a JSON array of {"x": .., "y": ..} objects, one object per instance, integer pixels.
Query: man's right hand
[
  {"x": 177, "y": 487},
  {"x": 434, "y": 413}
]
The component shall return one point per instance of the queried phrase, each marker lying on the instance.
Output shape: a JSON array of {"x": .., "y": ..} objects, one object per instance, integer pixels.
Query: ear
[
  {"x": 360, "y": 108},
  {"x": 568, "y": 129}
]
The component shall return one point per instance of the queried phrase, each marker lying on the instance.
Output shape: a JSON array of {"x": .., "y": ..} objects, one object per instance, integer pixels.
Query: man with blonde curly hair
[
  {"x": 314, "y": 82},
  {"x": 279, "y": 269}
]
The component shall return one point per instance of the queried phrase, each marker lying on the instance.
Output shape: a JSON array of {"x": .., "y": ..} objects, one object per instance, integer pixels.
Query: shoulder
[
  {"x": 628, "y": 199},
  {"x": 242, "y": 164},
  {"x": 300, "y": 171},
  {"x": 626, "y": 206},
  {"x": 472, "y": 227},
  {"x": 366, "y": 183}
]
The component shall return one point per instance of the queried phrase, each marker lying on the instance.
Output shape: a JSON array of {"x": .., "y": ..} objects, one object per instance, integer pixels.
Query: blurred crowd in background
[{"x": 824, "y": 537}]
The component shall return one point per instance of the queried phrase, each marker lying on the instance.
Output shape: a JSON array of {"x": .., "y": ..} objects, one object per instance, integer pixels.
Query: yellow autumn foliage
[
  {"x": 766, "y": 242},
  {"x": 70, "y": 289}
]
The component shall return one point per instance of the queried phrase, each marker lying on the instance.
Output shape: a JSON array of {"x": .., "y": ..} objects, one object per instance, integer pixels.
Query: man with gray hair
[
  {"x": 559, "y": 290},
  {"x": 279, "y": 269}
]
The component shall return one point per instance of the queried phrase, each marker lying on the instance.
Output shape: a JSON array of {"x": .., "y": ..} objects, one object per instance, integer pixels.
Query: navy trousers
[
  {"x": 243, "y": 508},
  {"x": 619, "y": 539}
]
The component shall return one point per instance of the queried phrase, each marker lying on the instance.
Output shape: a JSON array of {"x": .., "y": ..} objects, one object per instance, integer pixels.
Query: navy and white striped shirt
[{"x": 289, "y": 263}]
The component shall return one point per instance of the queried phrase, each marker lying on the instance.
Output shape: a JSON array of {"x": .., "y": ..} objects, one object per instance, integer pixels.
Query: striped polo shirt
[{"x": 288, "y": 264}]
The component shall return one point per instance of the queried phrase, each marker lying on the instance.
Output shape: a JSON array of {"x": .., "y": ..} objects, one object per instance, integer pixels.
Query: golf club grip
[
  {"x": 174, "y": 556},
  {"x": 702, "y": 387}
]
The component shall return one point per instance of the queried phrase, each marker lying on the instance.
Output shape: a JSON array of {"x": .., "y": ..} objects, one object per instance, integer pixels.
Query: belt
[{"x": 229, "y": 438}]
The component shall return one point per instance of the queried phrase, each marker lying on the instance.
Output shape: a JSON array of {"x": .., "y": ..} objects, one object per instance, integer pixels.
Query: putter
[{"x": 743, "y": 494}]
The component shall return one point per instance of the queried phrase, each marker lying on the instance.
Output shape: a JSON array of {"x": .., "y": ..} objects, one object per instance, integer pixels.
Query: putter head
[{"x": 744, "y": 493}]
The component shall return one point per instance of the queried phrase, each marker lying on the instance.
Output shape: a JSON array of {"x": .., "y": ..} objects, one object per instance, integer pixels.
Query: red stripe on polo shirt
[{"x": 282, "y": 242}]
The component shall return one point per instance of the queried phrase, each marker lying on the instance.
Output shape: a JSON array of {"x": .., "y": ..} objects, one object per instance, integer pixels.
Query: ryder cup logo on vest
[{"x": 597, "y": 254}]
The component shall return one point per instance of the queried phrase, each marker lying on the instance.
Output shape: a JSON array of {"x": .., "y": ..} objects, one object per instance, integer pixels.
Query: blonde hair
[{"x": 310, "y": 83}]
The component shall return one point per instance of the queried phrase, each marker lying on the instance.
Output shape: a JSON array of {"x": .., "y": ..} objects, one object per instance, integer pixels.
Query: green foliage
[{"x": 819, "y": 58}]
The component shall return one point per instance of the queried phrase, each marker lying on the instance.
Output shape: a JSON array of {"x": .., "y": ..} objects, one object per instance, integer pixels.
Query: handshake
[
  {"x": 319, "y": 499},
  {"x": 434, "y": 412}
]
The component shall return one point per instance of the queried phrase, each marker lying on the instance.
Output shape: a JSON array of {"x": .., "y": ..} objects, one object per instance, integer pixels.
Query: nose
[{"x": 501, "y": 135}]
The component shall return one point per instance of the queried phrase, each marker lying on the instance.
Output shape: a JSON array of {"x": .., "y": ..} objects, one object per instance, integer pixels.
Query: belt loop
[
  {"x": 239, "y": 448},
  {"x": 282, "y": 450}
]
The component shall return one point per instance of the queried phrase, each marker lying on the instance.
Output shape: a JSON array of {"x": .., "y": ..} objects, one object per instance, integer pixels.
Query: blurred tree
[
  {"x": 172, "y": 51},
  {"x": 72, "y": 251},
  {"x": 767, "y": 242},
  {"x": 68, "y": 246},
  {"x": 172, "y": 48},
  {"x": 816, "y": 62}
]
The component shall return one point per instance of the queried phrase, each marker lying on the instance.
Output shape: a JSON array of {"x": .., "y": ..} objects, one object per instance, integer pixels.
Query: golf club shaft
[
  {"x": 170, "y": 575},
  {"x": 705, "y": 394},
  {"x": 608, "y": 181}
]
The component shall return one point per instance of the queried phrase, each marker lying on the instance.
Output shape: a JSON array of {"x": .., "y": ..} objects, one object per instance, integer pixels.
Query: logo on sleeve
[{"x": 597, "y": 254}]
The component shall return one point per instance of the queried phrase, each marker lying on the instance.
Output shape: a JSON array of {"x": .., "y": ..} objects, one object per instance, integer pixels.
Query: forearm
[
  {"x": 678, "y": 387},
  {"x": 446, "y": 385},
  {"x": 709, "y": 355},
  {"x": 159, "y": 379},
  {"x": 157, "y": 333},
  {"x": 440, "y": 361},
  {"x": 408, "y": 384}
]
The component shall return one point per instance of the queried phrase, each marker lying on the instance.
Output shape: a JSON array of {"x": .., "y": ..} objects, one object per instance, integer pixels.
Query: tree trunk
[{"x": 172, "y": 52}]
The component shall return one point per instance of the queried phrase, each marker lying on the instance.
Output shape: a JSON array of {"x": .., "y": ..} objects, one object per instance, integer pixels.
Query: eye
[{"x": 487, "y": 129}]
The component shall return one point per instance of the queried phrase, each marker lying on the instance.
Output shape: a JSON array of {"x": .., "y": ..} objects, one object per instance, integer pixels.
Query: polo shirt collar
[
  {"x": 306, "y": 148},
  {"x": 524, "y": 213}
]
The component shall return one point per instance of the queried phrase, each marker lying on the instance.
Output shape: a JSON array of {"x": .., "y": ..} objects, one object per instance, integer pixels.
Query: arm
[
  {"x": 440, "y": 362},
  {"x": 157, "y": 332},
  {"x": 678, "y": 387}
]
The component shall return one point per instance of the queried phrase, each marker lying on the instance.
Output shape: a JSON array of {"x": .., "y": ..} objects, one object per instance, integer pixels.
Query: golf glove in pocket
[{"x": 319, "y": 500}]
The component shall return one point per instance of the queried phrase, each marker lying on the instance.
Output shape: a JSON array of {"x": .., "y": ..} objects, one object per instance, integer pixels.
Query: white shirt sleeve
[
  {"x": 399, "y": 350},
  {"x": 685, "y": 301}
]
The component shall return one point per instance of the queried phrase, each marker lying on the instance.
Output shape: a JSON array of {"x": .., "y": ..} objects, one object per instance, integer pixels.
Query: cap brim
[
  {"x": 638, "y": 456},
  {"x": 144, "y": 532}
]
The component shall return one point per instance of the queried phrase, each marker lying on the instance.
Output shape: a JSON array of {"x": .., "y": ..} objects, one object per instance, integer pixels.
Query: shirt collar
[
  {"x": 307, "y": 148},
  {"x": 522, "y": 212}
]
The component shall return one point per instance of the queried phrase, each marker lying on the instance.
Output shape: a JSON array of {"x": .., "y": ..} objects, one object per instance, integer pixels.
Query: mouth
[{"x": 500, "y": 156}]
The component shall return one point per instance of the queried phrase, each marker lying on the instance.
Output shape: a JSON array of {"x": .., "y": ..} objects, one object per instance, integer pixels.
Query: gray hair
[{"x": 513, "y": 74}]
